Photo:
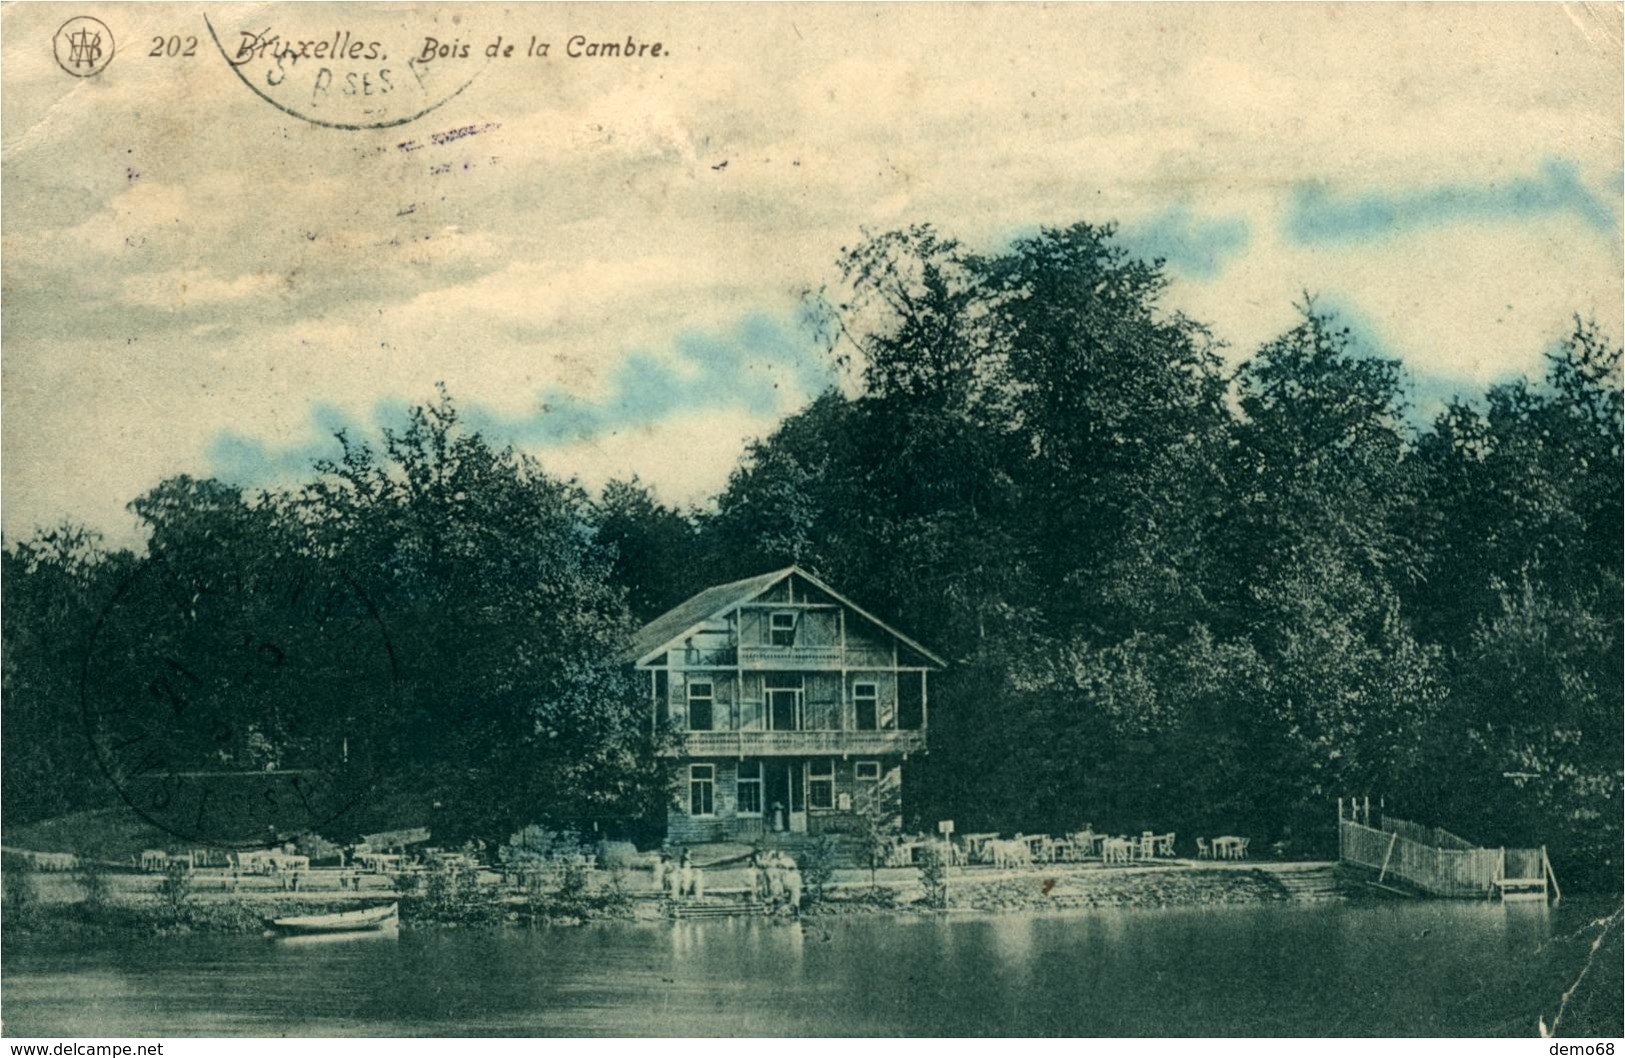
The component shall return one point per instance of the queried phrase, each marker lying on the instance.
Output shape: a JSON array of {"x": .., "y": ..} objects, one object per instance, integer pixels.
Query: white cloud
[{"x": 260, "y": 265}]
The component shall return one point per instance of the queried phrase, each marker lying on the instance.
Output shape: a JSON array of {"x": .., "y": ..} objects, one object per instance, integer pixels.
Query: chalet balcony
[
  {"x": 800, "y": 743},
  {"x": 796, "y": 657},
  {"x": 702, "y": 657}
]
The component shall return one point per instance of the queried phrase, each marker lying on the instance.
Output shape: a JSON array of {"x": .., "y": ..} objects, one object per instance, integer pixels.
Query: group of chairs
[
  {"x": 1024, "y": 850},
  {"x": 1225, "y": 848},
  {"x": 1084, "y": 845}
]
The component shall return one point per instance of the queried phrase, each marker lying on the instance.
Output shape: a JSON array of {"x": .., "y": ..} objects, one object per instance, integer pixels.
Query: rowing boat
[{"x": 368, "y": 918}]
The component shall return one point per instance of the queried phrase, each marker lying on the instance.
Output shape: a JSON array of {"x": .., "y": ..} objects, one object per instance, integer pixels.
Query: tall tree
[{"x": 657, "y": 553}]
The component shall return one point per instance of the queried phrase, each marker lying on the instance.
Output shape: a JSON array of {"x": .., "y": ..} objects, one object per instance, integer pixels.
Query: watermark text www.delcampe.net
[{"x": 89, "y": 1050}]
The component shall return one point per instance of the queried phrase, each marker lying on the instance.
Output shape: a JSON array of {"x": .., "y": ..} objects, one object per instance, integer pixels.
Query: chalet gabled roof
[
  {"x": 712, "y": 603},
  {"x": 702, "y": 607}
]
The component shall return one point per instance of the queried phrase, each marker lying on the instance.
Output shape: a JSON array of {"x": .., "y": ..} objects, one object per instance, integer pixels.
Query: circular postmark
[
  {"x": 83, "y": 46},
  {"x": 235, "y": 702},
  {"x": 338, "y": 77}
]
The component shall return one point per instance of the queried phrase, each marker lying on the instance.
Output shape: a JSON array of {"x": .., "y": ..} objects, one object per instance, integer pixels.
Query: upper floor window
[
  {"x": 782, "y": 628},
  {"x": 866, "y": 706},
  {"x": 701, "y": 705}
]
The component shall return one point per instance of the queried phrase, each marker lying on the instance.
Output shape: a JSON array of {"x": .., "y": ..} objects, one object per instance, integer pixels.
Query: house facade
[{"x": 797, "y": 710}]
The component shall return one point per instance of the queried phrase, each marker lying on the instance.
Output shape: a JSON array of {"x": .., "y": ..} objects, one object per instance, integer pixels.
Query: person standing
[{"x": 792, "y": 884}]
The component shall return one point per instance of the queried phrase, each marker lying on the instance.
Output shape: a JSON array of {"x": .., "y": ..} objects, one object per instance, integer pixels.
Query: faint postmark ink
[
  {"x": 83, "y": 46},
  {"x": 339, "y": 81},
  {"x": 233, "y": 704}
]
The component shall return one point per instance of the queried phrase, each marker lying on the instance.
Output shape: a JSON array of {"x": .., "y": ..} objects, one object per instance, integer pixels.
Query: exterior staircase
[
  {"x": 717, "y": 905},
  {"x": 1309, "y": 881},
  {"x": 848, "y": 848}
]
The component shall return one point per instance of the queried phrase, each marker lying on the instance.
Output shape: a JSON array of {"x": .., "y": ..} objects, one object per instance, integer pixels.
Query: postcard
[{"x": 804, "y": 520}]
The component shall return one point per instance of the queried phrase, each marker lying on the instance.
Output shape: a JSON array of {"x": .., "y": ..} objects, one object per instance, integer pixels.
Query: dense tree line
[
  {"x": 493, "y": 679},
  {"x": 1175, "y": 594}
]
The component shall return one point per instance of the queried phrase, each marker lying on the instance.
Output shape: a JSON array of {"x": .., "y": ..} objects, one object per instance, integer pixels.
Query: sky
[{"x": 603, "y": 259}]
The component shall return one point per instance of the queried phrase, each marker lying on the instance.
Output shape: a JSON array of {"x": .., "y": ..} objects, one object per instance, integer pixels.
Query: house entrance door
[
  {"x": 786, "y": 783},
  {"x": 798, "y": 796}
]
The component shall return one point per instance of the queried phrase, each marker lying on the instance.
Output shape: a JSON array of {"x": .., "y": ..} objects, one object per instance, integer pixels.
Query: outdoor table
[{"x": 1225, "y": 848}]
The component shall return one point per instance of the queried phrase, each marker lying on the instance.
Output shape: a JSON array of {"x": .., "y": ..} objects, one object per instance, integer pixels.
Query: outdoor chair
[{"x": 1203, "y": 850}]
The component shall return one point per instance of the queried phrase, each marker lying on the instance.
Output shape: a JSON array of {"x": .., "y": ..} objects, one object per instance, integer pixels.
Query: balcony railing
[
  {"x": 713, "y": 656},
  {"x": 799, "y": 743},
  {"x": 758, "y": 656},
  {"x": 797, "y": 657}
]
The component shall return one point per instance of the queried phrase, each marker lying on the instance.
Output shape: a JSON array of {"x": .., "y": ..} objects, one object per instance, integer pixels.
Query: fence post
[
  {"x": 1386, "y": 857},
  {"x": 1551, "y": 875}
]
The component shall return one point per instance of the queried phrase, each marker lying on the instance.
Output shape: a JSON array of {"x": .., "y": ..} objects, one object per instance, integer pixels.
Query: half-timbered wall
[{"x": 727, "y": 825}]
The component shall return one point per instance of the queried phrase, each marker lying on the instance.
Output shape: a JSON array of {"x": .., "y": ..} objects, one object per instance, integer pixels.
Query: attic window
[{"x": 782, "y": 628}]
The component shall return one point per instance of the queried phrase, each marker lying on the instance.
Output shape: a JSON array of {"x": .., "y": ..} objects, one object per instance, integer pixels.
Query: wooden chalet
[{"x": 796, "y": 708}]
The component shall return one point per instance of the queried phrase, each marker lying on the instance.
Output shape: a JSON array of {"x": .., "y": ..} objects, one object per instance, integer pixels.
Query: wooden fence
[
  {"x": 1437, "y": 836},
  {"x": 1469, "y": 871}
]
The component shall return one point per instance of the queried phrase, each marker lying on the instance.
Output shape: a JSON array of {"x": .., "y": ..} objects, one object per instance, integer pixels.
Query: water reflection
[
  {"x": 1400, "y": 969},
  {"x": 318, "y": 940},
  {"x": 1010, "y": 940}
]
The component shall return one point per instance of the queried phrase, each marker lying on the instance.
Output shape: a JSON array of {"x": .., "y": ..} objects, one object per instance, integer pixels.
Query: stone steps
[
  {"x": 717, "y": 908},
  {"x": 1311, "y": 883}
]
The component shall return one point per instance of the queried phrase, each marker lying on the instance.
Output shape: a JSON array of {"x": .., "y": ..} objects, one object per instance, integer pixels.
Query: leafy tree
[
  {"x": 516, "y": 702},
  {"x": 817, "y": 865},
  {"x": 55, "y": 584},
  {"x": 878, "y": 815},
  {"x": 656, "y": 549}
]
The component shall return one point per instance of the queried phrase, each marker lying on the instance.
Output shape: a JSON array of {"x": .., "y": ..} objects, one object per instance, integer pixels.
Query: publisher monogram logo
[{"x": 83, "y": 46}]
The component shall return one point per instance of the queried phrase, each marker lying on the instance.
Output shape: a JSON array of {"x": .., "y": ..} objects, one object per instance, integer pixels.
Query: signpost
[{"x": 946, "y": 829}]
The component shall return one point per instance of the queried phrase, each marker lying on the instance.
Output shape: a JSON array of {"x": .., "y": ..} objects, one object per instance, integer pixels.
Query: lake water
[{"x": 1406, "y": 968}]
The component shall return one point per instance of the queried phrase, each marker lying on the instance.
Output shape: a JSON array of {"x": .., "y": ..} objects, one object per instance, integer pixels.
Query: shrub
[
  {"x": 20, "y": 895},
  {"x": 934, "y": 875},
  {"x": 818, "y": 867},
  {"x": 618, "y": 855},
  {"x": 175, "y": 891},
  {"x": 572, "y": 897},
  {"x": 536, "y": 844},
  {"x": 92, "y": 878},
  {"x": 450, "y": 897}
]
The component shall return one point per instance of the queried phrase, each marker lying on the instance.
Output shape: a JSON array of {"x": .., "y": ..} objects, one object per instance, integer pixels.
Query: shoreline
[{"x": 129, "y": 911}]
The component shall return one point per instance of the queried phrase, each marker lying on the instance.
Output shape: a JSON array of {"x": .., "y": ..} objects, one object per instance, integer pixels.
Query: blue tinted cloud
[
  {"x": 1318, "y": 215},
  {"x": 1200, "y": 248},
  {"x": 1427, "y": 391},
  {"x": 760, "y": 366},
  {"x": 252, "y": 462}
]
